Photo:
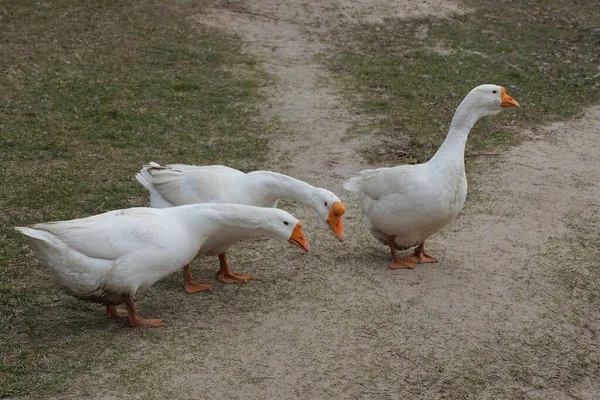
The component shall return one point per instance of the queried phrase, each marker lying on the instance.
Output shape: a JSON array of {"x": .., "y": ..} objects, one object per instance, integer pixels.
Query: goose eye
[
  {"x": 325, "y": 204},
  {"x": 494, "y": 91},
  {"x": 286, "y": 223}
]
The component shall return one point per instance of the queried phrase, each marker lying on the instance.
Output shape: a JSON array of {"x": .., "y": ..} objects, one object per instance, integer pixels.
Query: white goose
[
  {"x": 108, "y": 258},
  {"x": 404, "y": 205},
  {"x": 178, "y": 184}
]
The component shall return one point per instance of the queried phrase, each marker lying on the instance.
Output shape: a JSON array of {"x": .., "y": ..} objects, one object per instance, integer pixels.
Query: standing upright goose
[
  {"x": 178, "y": 184},
  {"x": 108, "y": 258},
  {"x": 404, "y": 205}
]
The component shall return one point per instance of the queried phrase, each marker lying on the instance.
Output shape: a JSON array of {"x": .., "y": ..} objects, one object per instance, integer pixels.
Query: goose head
[
  {"x": 330, "y": 209},
  {"x": 285, "y": 227},
  {"x": 487, "y": 100}
]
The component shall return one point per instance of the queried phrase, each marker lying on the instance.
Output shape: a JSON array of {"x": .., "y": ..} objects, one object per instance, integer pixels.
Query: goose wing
[
  {"x": 381, "y": 182},
  {"x": 186, "y": 184},
  {"x": 108, "y": 236}
]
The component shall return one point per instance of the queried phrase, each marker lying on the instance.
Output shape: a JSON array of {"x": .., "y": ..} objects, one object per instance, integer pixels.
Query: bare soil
[{"x": 490, "y": 320}]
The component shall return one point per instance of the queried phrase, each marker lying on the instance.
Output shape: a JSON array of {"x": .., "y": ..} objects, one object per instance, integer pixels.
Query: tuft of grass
[
  {"x": 410, "y": 76},
  {"x": 573, "y": 263},
  {"x": 90, "y": 92}
]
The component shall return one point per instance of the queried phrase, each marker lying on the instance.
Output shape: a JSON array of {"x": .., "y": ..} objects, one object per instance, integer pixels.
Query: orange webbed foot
[
  {"x": 226, "y": 276},
  {"x": 113, "y": 312},
  {"x": 402, "y": 264},
  {"x": 192, "y": 286},
  {"x": 419, "y": 255},
  {"x": 152, "y": 322},
  {"x": 419, "y": 258},
  {"x": 411, "y": 259},
  {"x": 428, "y": 259},
  {"x": 134, "y": 316},
  {"x": 231, "y": 277}
]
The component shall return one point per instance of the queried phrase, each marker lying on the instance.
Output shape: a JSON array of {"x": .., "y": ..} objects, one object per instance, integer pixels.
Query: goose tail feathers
[
  {"x": 33, "y": 233},
  {"x": 145, "y": 178}
]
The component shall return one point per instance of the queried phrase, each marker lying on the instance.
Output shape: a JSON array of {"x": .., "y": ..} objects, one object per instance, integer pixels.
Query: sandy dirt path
[
  {"x": 287, "y": 36},
  {"x": 364, "y": 330},
  {"x": 488, "y": 321}
]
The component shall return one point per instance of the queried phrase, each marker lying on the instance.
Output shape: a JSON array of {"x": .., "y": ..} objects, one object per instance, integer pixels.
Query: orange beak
[
  {"x": 297, "y": 238},
  {"x": 508, "y": 101},
  {"x": 334, "y": 220}
]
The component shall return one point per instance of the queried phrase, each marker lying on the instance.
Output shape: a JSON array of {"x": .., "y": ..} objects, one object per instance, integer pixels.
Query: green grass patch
[
  {"x": 410, "y": 76},
  {"x": 91, "y": 91}
]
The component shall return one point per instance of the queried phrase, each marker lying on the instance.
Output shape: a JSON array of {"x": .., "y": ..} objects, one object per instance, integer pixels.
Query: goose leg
[
  {"x": 113, "y": 312},
  {"x": 425, "y": 258},
  {"x": 134, "y": 316},
  {"x": 192, "y": 286},
  {"x": 225, "y": 275},
  {"x": 419, "y": 255},
  {"x": 397, "y": 262}
]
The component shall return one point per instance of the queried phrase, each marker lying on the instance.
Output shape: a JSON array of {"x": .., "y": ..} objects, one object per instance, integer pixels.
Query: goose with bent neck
[
  {"x": 275, "y": 187},
  {"x": 404, "y": 205},
  {"x": 108, "y": 258},
  {"x": 178, "y": 184}
]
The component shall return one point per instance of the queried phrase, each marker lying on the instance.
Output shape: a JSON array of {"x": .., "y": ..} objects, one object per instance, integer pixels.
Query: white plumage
[
  {"x": 404, "y": 205},
  {"x": 109, "y": 257},
  {"x": 178, "y": 184}
]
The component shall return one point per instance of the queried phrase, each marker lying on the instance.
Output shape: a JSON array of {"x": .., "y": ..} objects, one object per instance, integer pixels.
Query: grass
[
  {"x": 93, "y": 90},
  {"x": 90, "y": 92},
  {"x": 570, "y": 263},
  {"x": 410, "y": 76},
  {"x": 573, "y": 264}
]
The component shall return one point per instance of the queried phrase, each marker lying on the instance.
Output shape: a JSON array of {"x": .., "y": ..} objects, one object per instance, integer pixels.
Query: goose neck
[
  {"x": 202, "y": 220},
  {"x": 453, "y": 147},
  {"x": 282, "y": 187}
]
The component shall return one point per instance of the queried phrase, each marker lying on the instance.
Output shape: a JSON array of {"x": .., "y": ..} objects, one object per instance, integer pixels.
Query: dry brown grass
[{"x": 88, "y": 99}]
